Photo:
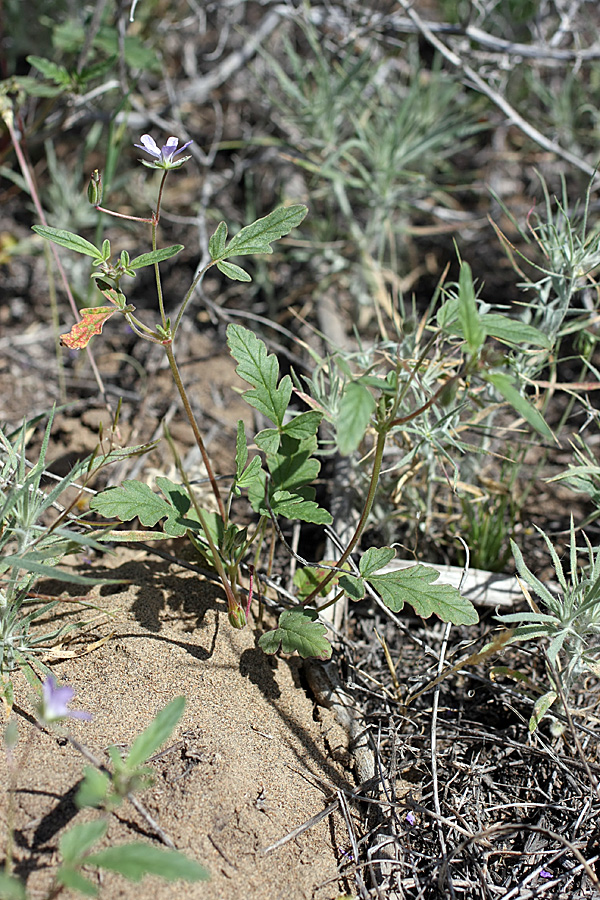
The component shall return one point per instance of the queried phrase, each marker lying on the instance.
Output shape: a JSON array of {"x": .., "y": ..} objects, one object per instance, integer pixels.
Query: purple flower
[
  {"x": 410, "y": 818},
  {"x": 164, "y": 157},
  {"x": 54, "y": 703},
  {"x": 544, "y": 873}
]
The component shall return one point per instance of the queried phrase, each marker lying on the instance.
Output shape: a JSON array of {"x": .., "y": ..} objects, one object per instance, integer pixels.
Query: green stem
[
  {"x": 161, "y": 303},
  {"x": 142, "y": 330},
  {"x": 379, "y": 448},
  {"x": 196, "y": 431},
  {"x": 331, "y": 602},
  {"x": 233, "y": 604},
  {"x": 111, "y": 212}
]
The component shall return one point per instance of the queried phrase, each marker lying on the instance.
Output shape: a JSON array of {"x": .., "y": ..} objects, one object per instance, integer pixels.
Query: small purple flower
[
  {"x": 544, "y": 873},
  {"x": 410, "y": 818},
  {"x": 164, "y": 157},
  {"x": 54, "y": 703}
]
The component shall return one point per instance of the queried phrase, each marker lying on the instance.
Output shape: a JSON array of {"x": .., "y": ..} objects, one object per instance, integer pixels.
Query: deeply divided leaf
[
  {"x": 261, "y": 370},
  {"x": 49, "y": 69},
  {"x": 250, "y": 474},
  {"x": 303, "y": 426}
]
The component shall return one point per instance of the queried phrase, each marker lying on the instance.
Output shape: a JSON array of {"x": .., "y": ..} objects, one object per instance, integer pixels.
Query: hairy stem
[
  {"x": 196, "y": 431},
  {"x": 156, "y": 217},
  {"x": 379, "y": 447}
]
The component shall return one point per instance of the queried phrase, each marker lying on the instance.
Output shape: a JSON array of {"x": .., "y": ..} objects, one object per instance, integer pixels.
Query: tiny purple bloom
[
  {"x": 410, "y": 818},
  {"x": 164, "y": 157},
  {"x": 54, "y": 703},
  {"x": 544, "y": 873}
]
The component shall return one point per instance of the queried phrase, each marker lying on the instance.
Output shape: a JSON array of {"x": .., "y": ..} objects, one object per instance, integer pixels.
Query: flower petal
[
  {"x": 149, "y": 145},
  {"x": 56, "y": 698},
  {"x": 182, "y": 148},
  {"x": 80, "y": 714},
  {"x": 169, "y": 148}
]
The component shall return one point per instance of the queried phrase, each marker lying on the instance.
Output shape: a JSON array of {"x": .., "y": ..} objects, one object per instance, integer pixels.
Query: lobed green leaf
[
  {"x": 250, "y": 473},
  {"x": 257, "y": 237},
  {"x": 50, "y": 70},
  {"x": 295, "y": 506},
  {"x": 131, "y": 499},
  {"x": 308, "y": 578},
  {"x": 375, "y": 558},
  {"x": 268, "y": 440},
  {"x": 353, "y": 586},
  {"x": 299, "y": 631},
  {"x": 303, "y": 426},
  {"x": 293, "y": 466},
  {"x": 415, "y": 586},
  {"x": 261, "y": 370}
]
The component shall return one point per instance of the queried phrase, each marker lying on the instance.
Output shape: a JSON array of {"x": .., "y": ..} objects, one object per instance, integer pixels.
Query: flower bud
[
  {"x": 237, "y": 618},
  {"x": 94, "y": 190}
]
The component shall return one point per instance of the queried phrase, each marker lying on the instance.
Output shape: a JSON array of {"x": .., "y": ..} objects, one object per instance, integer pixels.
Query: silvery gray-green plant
[
  {"x": 37, "y": 531},
  {"x": 570, "y": 247},
  {"x": 568, "y": 618},
  {"x": 583, "y": 474},
  {"x": 374, "y": 141}
]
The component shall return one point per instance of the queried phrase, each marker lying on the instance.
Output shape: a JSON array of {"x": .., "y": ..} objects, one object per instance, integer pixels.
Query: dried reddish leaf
[{"x": 90, "y": 324}]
